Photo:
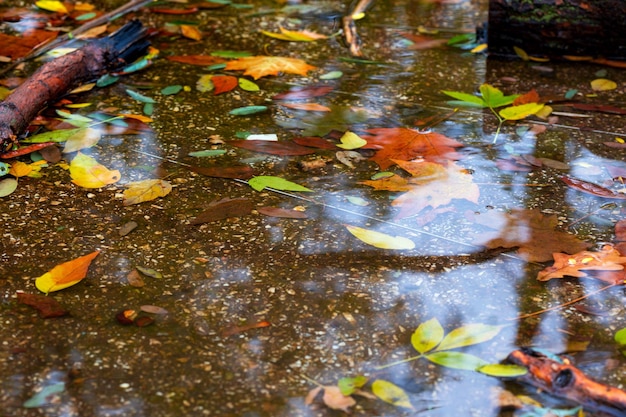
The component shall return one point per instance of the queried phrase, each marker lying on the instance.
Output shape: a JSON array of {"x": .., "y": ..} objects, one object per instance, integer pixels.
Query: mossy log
[{"x": 555, "y": 28}]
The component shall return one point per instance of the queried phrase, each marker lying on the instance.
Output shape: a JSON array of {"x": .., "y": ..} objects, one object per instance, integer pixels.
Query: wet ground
[{"x": 253, "y": 307}]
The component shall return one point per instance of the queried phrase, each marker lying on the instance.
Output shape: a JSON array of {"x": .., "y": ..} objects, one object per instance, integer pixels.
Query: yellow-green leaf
[
  {"x": 380, "y": 240},
  {"x": 146, "y": 190},
  {"x": 262, "y": 181},
  {"x": 204, "y": 83},
  {"x": 52, "y": 6},
  {"x": 427, "y": 335},
  {"x": 83, "y": 138},
  {"x": 521, "y": 53},
  {"x": 502, "y": 370},
  {"x": 65, "y": 275},
  {"x": 467, "y": 335},
  {"x": 391, "y": 393},
  {"x": 248, "y": 85},
  {"x": 521, "y": 111},
  {"x": 351, "y": 140},
  {"x": 456, "y": 360},
  {"x": 88, "y": 173},
  {"x": 602, "y": 84}
]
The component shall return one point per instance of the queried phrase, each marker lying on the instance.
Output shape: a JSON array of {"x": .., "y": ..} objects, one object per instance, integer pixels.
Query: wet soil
[{"x": 335, "y": 306}]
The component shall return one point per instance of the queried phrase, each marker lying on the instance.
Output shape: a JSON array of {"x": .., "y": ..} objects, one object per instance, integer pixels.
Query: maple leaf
[
  {"x": 261, "y": 66},
  {"x": 608, "y": 259},
  {"x": 531, "y": 231},
  {"x": 408, "y": 144}
]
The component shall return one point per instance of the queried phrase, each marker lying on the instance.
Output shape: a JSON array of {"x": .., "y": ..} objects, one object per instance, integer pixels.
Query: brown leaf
[
  {"x": 608, "y": 259},
  {"x": 19, "y": 46},
  {"x": 282, "y": 148},
  {"x": 300, "y": 93},
  {"x": 238, "y": 171},
  {"x": 408, "y": 144},
  {"x": 530, "y": 97},
  {"x": 46, "y": 306},
  {"x": 591, "y": 188},
  {"x": 203, "y": 60},
  {"x": 223, "y": 83},
  {"x": 223, "y": 209},
  {"x": 334, "y": 399},
  {"x": 281, "y": 212}
]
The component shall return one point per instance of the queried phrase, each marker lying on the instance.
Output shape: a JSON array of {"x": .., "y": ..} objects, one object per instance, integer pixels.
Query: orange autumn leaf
[
  {"x": 608, "y": 259},
  {"x": 65, "y": 275},
  {"x": 223, "y": 83},
  {"x": 191, "y": 32},
  {"x": 531, "y": 97},
  {"x": 306, "y": 106},
  {"x": 261, "y": 66},
  {"x": 408, "y": 144}
]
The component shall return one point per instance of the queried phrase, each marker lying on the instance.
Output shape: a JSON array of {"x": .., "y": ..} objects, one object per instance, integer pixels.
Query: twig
[{"x": 349, "y": 28}]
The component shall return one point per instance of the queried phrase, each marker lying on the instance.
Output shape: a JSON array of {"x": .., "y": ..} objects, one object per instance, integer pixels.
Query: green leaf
[
  {"x": 502, "y": 370},
  {"x": 347, "y": 386},
  {"x": 493, "y": 97},
  {"x": 427, "y": 335},
  {"x": 7, "y": 186},
  {"x": 149, "y": 272},
  {"x": 43, "y": 397},
  {"x": 470, "y": 334},
  {"x": 620, "y": 336},
  {"x": 140, "y": 97},
  {"x": 72, "y": 118},
  {"x": 380, "y": 240},
  {"x": 148, "y": 109},
  {"x": 456, "y": 360},
  {"x": 207, "y": 152},
  {"x": 248, "y": 85},
  {"x": 332, "y": 75},
  {"x": 54, "y": 136},
  {"x": 244, "y": 111},
  {"x": 170, "y": 90},
  {"x": 521, "y": 111},
  {"x": 231, "y": 54},
  {"x": 277, "y": 183},
  {"x": 466, "y": 99},
  {"x": 391, "y": 393}
]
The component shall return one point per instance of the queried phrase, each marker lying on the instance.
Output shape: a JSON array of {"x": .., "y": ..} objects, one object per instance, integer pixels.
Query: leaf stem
[{"x": 389, "y": 365}]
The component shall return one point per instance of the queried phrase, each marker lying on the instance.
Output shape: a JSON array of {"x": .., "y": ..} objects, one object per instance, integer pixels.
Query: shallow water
[{"x": 336, "y": 307}]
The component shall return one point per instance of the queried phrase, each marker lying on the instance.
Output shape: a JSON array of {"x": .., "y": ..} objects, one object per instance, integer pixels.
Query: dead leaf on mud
[
  {"x": 529, "y": 230},
  {"x": 46, "y": 306},
  {"x": 223, "y": 209}
]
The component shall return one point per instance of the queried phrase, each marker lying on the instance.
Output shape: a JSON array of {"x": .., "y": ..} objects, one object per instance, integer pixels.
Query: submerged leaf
[
  {"x": 391, "y": 393},
  {"x": 223, "y": 209},
  {"x": 380, "y": 240},
  {"x": 65, "y": 275},
  {"x": 502, "y": 370},
  {"x": 146, "y": 190},
  {"x": 467, "y": 335},
  {"x": 456, "y": 360}
]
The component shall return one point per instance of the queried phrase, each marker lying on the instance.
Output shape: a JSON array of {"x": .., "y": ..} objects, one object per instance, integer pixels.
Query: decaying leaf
[
  {"x": 262, "y": 66},
  {"x": 608, "y": 259},
  {"x": 146, "y": 190},
  {"x": 46, "y": 306},
  {"x": 65, "y": 275},
  {"x": 224, "y": 83},
  {"x": 332, "y": 397}
]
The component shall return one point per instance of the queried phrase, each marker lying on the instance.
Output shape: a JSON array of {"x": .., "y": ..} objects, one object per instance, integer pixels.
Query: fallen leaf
[
  {"x": 240, "y": 329},
  {"x": 380, "y": 240},
  {"x": 88, "y": 173},
  {"x": 351, "y": 140},
  {"x": 334, "y": 399},
  {"x": 52, "y": 6},
  {"x": 408, "y": 144},
  {"x": 302, "y": 93},
  {"x": 65, "y": 275},
  {"x": 7, "y": 186},
  {"x": 314, "y": 142},
  {"x": 531, "y": 97},
  {"x": 282, "y": 213},
  {"x": 262, "y": 66},
  {"x": 224, "y": 83},
  {"x": 223, "y": 209},
  {"x": 306, "y": 106},
  {"x": 262, "y": 181},
  {"x": 135, "y": 279},
  {"x": 153, "y": 273},
  {"x": 602, "y": 84},
  {"x": 46, "y": 306},
  {"x": 146, "y": 190},
  {"x": 391, "y": 393},
  {"x": 83, "y": 138},
  {"x": 608, "y": 259},
  {"x": 19, "y": 46},
  {"x": 294, "y": 36},
  {"x": 191, "y": 32},
  {"x": 591, "y": 188}
]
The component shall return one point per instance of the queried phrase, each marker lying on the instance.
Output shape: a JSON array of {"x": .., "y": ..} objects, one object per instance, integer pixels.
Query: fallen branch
[
  {"x": 566, "y": 381},
  {"x": 349, "y": 28},
  {"x": 58, "y": 77}
]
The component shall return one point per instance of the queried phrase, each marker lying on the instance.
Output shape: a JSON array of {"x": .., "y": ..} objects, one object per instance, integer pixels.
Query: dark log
[
  {"x": 556, "y": 28},
  {"x": 56, "y": 78},
  {"x": 566, "y": 381}
]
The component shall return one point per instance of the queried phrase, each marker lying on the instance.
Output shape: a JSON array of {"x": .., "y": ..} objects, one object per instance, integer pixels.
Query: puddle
[{"x": 257, "y": 306}]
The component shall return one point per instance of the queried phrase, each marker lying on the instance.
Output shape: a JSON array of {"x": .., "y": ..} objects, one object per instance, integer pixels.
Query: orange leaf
[
  {"x": 608, "y": 259},
  {"x": 191, "y": 32},
  {"x": 223, "y": 83},
  {"x": 261, "y": 66},
  {"x": 531, "y": 97},
  {"x": 408, "y": 144},
  {"x": 306, "y": 106},
  {"x": 65, "y": 275}
]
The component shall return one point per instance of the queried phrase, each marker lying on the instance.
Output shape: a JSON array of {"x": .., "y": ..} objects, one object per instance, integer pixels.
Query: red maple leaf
[{"x": 408, "y": 144}]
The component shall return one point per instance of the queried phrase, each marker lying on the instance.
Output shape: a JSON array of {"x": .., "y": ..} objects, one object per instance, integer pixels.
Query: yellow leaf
[
  {"x": 479, "y": 48},
  {"x": 261, "y": 66},
  {"x": 520, "y": 53},
  {"x": 294, "y": 36},
  {"x": 20, "y": 169},
  {"x": 146, "y": 190},
  {"x": 191, "y": 32},
  {"x": 602, "y": 84},
  {"x": 65, "y": 275},
  {"x": 391, "y": 393},
  {"x": 52, "y": 6},
  {"x": 351, "y": 140},
  {"x": 521, "y": 111},
  {"x": 140, "y": 117},
  {"x": 380, "y": 240},
  {"x": 88, "y": 173}
]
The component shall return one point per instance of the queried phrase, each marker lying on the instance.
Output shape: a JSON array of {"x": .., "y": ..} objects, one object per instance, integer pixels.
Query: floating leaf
[
  {"x": 347, "y": 386},
  {"x": 282, "y": 213},
  {"x": 602, "y": 84},
  {"x": 456, "y": 360},
  {"x": 294, "y": 36},
  {"x": 427, "y": 335},
  {"x": 591, "y": 188},
  {"x": 231, "y": 54},
  {"x": 620, "y": 336},
  {"x": 224, "y": 209},
  {"x": 47, "y": 307},
  {"x": 332, "y": 75},
  {"x": 7, "y": 186},
  {"x": 245, "y": 111},
  {"x": 521, "y": 111},
  {"x": 241, "y": 171},
  {"x": 282, "y": 148},
  {"x": 191, "y": 32},
  {"x": 4, "y": 168},
  {"x": 502, "y": 370},
  {"x": 146, "y": 190},
  {"x": 334, "y": 399},
  {"x": 467, "y": 335},
  {"x": 306, "y": 106},
  {"x": 301, "y": 93},
  {"x": 466, "y": 99},
  {"x": 351, "y": 140},
  {"x": 65, "y": 275},
  {"x": 204, "y": 83},
  {"x": 88, "y": 173},
  {"x": 380, "y": 240},
  {"x": 391, "y": 393},
  {"x": 608, "y": 259},
  {"x": 203, "y": 60},
  {"x": 277, "y": 183}
]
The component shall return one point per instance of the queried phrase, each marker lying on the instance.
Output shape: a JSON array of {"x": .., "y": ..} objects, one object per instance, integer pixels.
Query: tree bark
[
  {"x": 58, "y": 77},
  {"x": 558, "y": 27}
]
